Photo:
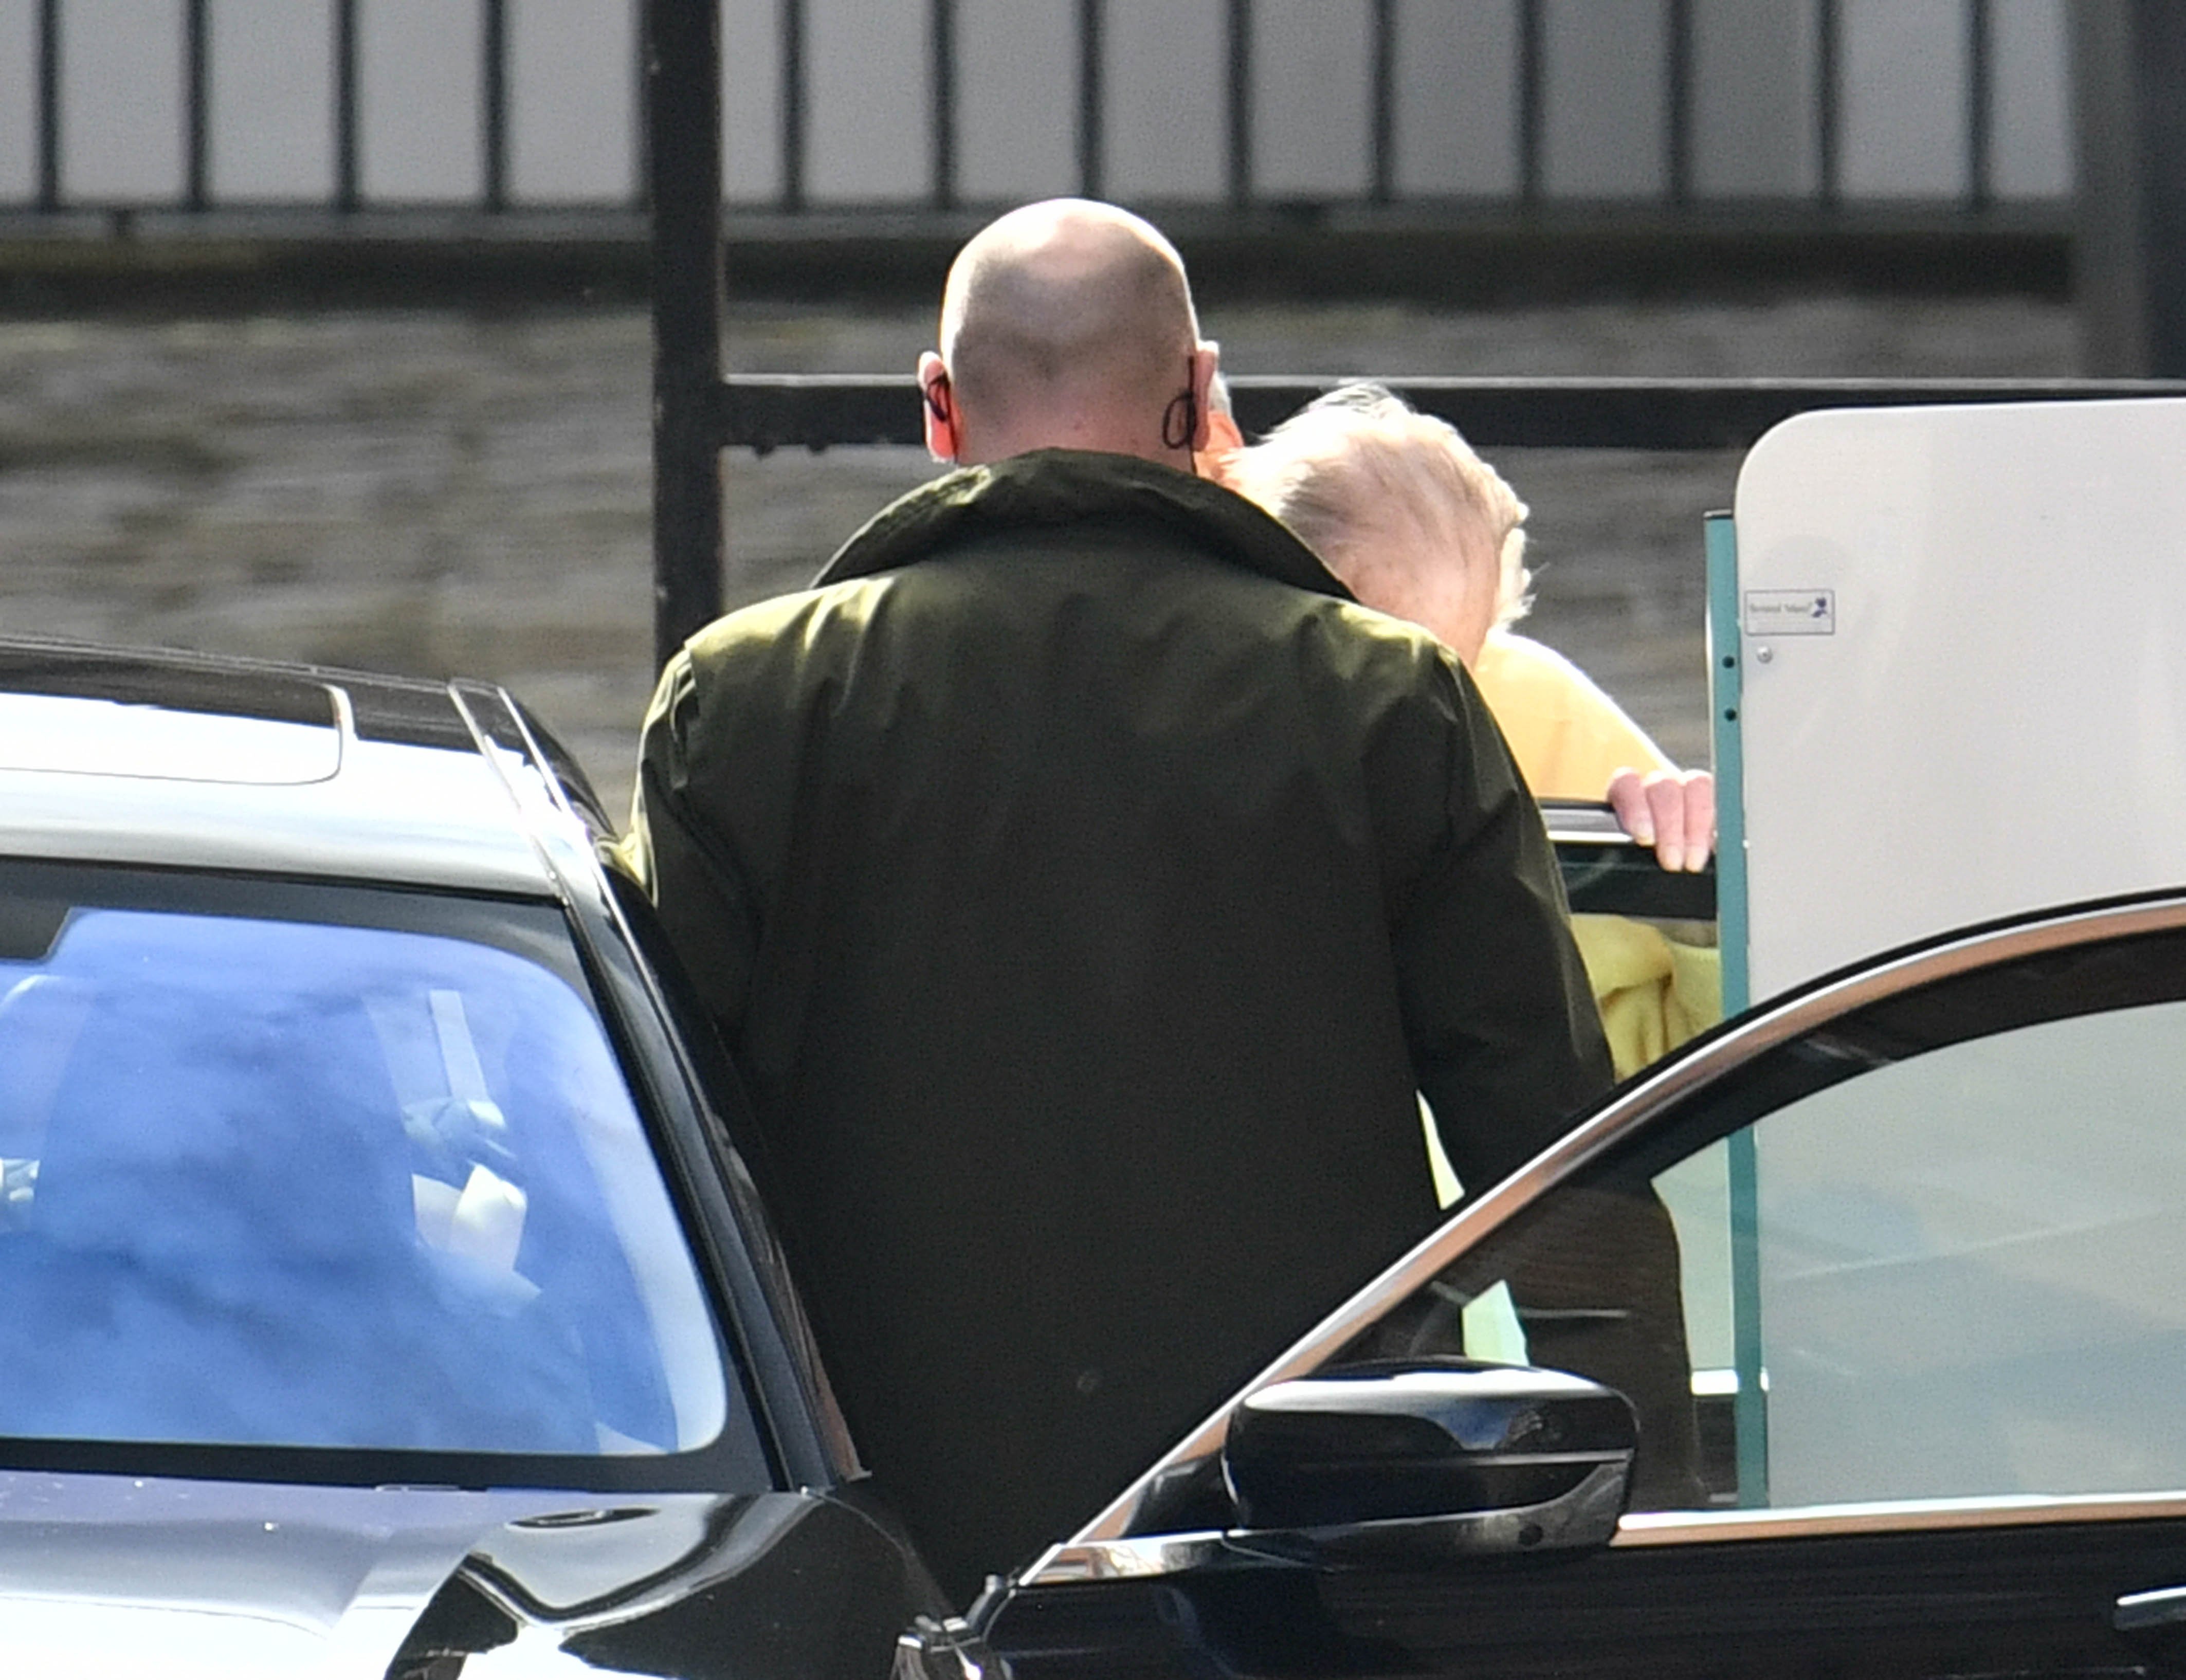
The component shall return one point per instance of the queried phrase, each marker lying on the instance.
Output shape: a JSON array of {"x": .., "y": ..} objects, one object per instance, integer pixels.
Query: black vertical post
[
  {"x": 495, "y": 101},
  {"x": 1092, "y": 95},
  {"x": 1241, "y": 102},
  {"x": 683, "y": 125},
  {"x": 793, "y": 105},
  {"x": 49, "y": 104},
  {"x": 1532, "y": 104},
  {"x": 1826, "y": 100},
  {"x": 2129, "y": 249},
  {"x": 943, "y": 81},
  {"x": 346, "y": 194},
  {"x": 1981, "y": 104},
  {"x": 1383, "y": 187},
  {"x": 196, "y": 75},
  {"x": 1678, "y": 100}
]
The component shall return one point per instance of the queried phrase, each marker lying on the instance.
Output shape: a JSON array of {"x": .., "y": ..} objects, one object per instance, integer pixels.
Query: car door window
[
  {"x": 1932, "y": 1249},
  {"x": 1971, "y": 1265}
]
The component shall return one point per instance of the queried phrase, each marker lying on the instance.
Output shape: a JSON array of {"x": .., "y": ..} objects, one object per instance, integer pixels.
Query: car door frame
[{"x": 1992, "y": 1585}]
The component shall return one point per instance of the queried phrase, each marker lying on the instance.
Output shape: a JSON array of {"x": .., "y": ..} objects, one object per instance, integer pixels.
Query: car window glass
[
  {"x": 1952, "y": 1257},
  {"x": 1971, "y": 1269},
  {"x": 303, "y": 1183}
]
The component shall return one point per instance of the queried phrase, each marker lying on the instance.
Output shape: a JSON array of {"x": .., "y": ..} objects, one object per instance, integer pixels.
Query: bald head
[{"x": 1069, "y": 324}]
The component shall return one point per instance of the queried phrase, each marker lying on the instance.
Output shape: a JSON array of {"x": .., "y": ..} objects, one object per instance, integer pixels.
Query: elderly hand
[{"x": 1673, "y": 811}]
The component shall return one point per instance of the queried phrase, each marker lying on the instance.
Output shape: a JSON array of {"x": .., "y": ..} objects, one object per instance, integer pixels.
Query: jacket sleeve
[
  {"x": 1505, "y": 1041},
  {"x": 681, "y": 858}
]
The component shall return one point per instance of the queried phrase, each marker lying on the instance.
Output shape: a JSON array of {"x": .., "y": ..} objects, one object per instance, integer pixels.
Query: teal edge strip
[
  {"x": 1726, "y": 695},
  {"x": 1726, "y": 692}
]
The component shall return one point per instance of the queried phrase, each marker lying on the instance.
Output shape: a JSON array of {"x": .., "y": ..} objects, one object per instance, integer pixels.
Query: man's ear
[
  {"x": 1204, "y": 361},
  {"x": 943, "y": 442}
]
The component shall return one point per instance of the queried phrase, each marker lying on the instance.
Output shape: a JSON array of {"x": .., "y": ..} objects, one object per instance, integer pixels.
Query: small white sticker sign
[{"x": 1791, "y": 611}]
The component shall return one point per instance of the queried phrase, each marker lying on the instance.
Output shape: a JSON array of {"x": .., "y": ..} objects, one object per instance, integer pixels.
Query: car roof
[{"x": 202, "y": 761}]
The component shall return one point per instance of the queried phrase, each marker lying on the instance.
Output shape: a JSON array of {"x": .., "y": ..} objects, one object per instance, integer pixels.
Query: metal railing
[
  {"x": 344, "y": 115},
  {"x": 1385, "y": 24},
  {"x": 766, "y": 412},
  {"x": 697, "y": 413}
]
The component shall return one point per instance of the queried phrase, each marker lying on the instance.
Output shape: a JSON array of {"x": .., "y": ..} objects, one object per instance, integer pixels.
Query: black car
[{"x": 385, "y": 1296}]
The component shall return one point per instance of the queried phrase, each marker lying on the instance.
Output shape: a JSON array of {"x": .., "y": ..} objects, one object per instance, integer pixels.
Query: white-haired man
[{"x": 1059, "y": 873}]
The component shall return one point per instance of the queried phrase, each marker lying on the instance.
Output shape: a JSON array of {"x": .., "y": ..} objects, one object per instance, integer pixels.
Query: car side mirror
[{"x": 1421, "y": 1462}]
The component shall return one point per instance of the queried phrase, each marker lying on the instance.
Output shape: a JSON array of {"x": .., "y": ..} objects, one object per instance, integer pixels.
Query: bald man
[{"x": 1061, "y": 873}]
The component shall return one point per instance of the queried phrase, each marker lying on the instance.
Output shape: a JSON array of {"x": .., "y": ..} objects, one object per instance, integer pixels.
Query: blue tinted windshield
[{"x": 290, "y": 1183}]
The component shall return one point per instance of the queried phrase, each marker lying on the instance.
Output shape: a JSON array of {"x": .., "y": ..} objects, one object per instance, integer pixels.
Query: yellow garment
[
  {"x": 1653, "y": 991},
  {"x": 1567, "y": 736}
]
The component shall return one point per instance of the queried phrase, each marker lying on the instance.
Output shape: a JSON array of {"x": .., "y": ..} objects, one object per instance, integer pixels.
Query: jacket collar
[{"x": 1062, "y": 487}]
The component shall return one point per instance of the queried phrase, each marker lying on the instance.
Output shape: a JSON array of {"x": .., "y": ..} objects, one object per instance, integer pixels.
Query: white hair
[{"x": 1352, "y": 460}]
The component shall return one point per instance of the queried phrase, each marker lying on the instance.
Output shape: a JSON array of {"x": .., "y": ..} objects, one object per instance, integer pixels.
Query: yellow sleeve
[{"x": 1567, "y": 736}]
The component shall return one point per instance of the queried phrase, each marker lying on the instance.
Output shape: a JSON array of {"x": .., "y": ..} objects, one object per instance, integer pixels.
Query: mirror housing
[{"x": 1426, "y": 1461}]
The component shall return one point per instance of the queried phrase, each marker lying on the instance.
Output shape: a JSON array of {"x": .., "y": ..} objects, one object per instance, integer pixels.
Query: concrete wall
[{"x": 1901, "y": 76}]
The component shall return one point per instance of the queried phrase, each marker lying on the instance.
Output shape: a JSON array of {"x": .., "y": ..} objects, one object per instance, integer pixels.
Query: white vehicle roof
[{"x": 190, "y": 761}]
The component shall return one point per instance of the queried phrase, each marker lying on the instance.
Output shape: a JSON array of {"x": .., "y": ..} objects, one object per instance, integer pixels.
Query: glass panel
[
  {"x": 1971, "y": 1269},
  {"x": 1963, "y": 1266},
  {"x": 319, "y": 1184}
]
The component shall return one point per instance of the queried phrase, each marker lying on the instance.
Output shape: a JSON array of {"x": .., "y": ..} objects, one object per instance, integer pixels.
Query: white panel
[
  {"x": 1993, "y": 722},
  {"x": 421, "y": 83},
  {"x": 1017, "y": 98},
  {"x": 19, "y": 101},
  {"x": 121, "y": 100},
  {"x": 573, "y": 101},
  {"x": 2031, "y": 136},
  {"x": 1902, "y": 126},
  {"x": 1605, "y": 134},
  {"x": 751, "y": 100},
  {"x": 1457, "y": 97},
  {"x": 1312, "y": 114},
  {"x": 1753, "y": 98},
  {"x": 1166, "y": 121},
  {"x": 272, "y": 100},
  {"x": 868, "y": 67}
]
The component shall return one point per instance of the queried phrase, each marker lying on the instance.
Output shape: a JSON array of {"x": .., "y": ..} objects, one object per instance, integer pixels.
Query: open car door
[{"x": 1925, "y": 1330}]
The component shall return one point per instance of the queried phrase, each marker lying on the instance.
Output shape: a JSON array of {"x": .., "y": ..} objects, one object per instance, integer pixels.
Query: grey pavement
[{"x": 439, "y": 493}]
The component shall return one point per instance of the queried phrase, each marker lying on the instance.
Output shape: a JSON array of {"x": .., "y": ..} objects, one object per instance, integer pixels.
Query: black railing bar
[
  {"x": 1241, "y": 102},
  {"x": 683, "y": 108},
  {"x": 942, "y": 85},
  {"x": 347, "y": 194},
  {"x": 1828, "y": 165},
  {"x": 1532, "y": 109},
  {"x": 792, "y": 69},
  {"x": 1382, "y": 188},
  {"x": 315, "y": 233},
  {"x": 494, "y": 103},
  {"x": 49, "y": 104},
  {"x": 1981, "y": 97},
  {"x": 1678, "y": 100},
  {"x": 1092, "y": 95},
  {"x": 197, "y": 72},
  {"x": 767, "y": 411}
]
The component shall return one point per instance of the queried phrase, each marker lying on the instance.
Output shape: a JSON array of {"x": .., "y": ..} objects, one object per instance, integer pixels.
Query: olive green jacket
[{"x": 1084, "y": 885}]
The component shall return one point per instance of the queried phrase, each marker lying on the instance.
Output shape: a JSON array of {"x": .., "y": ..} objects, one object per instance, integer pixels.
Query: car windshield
[{"x": 328, "y": 1168}]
